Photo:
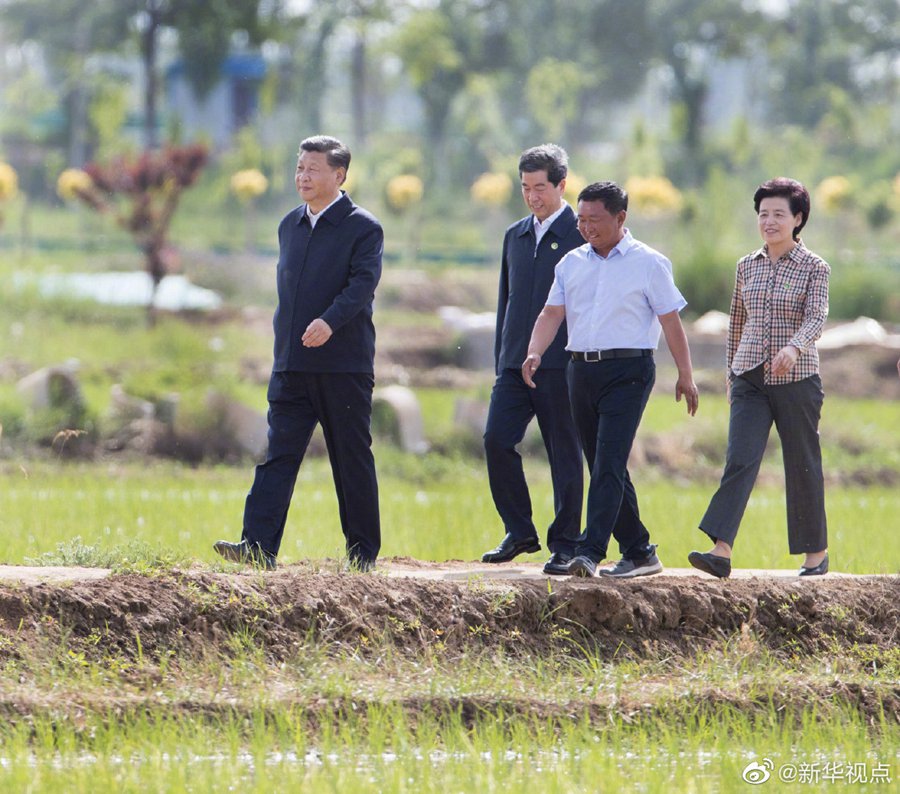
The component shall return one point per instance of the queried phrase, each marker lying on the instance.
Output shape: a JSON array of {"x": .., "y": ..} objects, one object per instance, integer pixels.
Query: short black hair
[
  {"x": 336, "y": 153},
  {"x": 547, "y": 157},
  {"x": 614, "y": 198},
  {"x": 783, "y": 187}
]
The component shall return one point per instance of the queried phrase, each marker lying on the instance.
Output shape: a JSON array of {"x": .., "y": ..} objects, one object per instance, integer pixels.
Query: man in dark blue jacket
[
  {"x": 328, "y": 267},
  {"x": 531, "y": 249}
]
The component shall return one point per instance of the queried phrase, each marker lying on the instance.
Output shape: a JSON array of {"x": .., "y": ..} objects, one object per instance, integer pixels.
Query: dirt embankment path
[
  {"x": 133, "y": 626},
  {"x": 415, "y": 605}
]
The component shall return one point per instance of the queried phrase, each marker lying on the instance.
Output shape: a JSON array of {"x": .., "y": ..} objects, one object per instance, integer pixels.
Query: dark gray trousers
[
  {"x": 513, "y": 405},
  {"x": 795, "y": 409}
]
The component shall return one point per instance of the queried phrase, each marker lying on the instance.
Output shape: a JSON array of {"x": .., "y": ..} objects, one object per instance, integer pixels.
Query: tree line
[{"x": 497, "y": 74}]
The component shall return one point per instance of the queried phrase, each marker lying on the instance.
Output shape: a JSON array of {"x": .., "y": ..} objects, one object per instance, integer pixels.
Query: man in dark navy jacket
[
  {"x": 328, "y": 267},
  {"x": 531, "y": 249}
]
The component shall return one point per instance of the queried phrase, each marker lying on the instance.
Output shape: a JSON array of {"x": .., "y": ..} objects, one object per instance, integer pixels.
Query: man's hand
[
  {"x": 529, "y": 367},
  {"x": 784, "y": 360},
  {"x": 317, "y": 333},
  {"x": 685, "y": 386}
]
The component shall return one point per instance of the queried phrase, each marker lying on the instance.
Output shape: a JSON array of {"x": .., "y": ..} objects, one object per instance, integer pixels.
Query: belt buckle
[{"x": 592, "y": 355}]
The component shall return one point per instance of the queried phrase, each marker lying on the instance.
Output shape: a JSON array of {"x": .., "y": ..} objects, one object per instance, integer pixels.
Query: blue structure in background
[{"x": 231, "y": 104}]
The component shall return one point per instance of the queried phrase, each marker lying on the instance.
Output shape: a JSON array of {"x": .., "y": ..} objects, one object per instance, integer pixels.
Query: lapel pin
[{"x": 554, "y": 246}]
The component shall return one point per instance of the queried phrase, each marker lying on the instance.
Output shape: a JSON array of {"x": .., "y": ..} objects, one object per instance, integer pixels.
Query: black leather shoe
[
  {"x": 819, "y": 570},
  {"x": 582, "y": 566},
  {"x": 712, "y": 564},
  {"x": 558, "y": 564},
  {"x": 248, "y": 553},
  {"x": 510, "y": 548}
]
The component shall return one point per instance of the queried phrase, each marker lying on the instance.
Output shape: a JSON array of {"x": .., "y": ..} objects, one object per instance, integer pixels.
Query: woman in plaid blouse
[{"x": 779, "y": 306}]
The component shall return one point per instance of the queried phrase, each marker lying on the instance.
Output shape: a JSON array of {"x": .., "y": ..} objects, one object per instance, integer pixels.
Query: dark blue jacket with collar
[
  {"x": 526, "y": 276},
  {"x": 330, "y": 272}
]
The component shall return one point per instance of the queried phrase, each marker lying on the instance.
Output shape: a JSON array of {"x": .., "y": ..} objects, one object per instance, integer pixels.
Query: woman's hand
[{"x": 784, "y": 360}]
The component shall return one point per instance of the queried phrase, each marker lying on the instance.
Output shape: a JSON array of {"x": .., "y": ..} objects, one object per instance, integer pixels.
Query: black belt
[{"x": 615, "y": 352}]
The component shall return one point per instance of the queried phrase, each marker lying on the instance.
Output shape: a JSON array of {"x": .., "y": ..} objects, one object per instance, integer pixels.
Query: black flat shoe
[
  {"x": 820, "y": 570},
  {"x": 247, "y": 553},
  {"x": 510, "y": 548},
  {"x": 712, "y": 564},
  {"x": 558, "y": 564}
]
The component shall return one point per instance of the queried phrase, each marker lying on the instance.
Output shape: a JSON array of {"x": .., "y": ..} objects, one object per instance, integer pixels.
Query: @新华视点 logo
[{"x": 755, "y": 772}]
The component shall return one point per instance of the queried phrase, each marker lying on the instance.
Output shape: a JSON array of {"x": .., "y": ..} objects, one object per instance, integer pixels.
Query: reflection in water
[{"x": 126, "y": 289}]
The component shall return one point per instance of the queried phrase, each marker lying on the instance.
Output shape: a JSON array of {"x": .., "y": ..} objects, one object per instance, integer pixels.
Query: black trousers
[
  {"x": 608, "y": 400},
  {"x": 795, "y": 409},
  {"x": 342, "y": 403},
  {"x": 513, "y": 405}
]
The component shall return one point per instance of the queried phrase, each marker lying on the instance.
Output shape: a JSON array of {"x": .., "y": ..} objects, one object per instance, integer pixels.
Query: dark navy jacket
[
  {"x": 525, "y": 280},
  {"x": 329, "y": 271}
]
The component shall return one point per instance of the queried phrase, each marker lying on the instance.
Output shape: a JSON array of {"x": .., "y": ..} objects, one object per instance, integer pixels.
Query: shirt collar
[
  {"x": 622, "y": 247},
  {"x": 546, "y": 224},
  {"x": 794, "y": 254},
  {"x": 334, "y": 201}
]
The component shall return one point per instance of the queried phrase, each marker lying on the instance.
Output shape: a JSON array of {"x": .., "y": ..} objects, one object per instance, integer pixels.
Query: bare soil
[
  {"x": 668, "y": 614},
  {"x": 450, "y": 609}
]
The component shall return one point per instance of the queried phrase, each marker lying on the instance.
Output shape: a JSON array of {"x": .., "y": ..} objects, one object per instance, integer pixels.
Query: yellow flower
[
  {"x": 574, "y": 185},
  {"x": 653, "y": 195},
  {"x": 835, "y": 193},
  {"x": 493, "y": 189},
  {"x": 249, "y": 184},
  {"x": 9, "y": 181},
  {"x": 71, "y": 182},
  {"x": 403, "y": 191}
]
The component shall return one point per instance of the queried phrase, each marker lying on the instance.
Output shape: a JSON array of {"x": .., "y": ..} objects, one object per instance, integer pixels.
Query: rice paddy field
[
  {"x": 178, "y": 672},
  {"x": 83, "y": 714},
  {"x": 440, "y": 514}
]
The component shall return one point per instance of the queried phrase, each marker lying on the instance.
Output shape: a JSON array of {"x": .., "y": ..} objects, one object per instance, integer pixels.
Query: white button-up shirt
[
  {"x": 540, "y": 228},
  {"x": 613, "y": 301}
]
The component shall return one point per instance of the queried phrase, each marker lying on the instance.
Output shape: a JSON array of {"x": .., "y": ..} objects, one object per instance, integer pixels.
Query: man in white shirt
[{"x": 616, "y": 295}]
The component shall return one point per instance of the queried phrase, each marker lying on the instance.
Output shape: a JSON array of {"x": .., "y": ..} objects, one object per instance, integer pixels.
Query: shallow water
[{"x": 174, "y": 293}]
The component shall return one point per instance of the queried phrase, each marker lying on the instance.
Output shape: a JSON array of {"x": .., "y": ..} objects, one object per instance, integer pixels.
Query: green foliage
[
  {"x": 184, "y": 509},
  {"x": 864, "y": 290},
  {"x": 134, "y": 555},
  {"x": 108, "y": 112},
  {"x": 553, "y": 90},
  {"x": 708, "y": 280}
]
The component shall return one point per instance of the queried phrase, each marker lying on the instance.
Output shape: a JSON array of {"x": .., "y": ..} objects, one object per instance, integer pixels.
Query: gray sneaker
[
  {"x": 582, "y": 566},
  {"x": 627, "y": 569}
]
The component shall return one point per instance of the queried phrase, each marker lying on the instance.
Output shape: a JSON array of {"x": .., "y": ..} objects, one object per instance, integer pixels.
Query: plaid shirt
[{"x": 774, "y": 305}]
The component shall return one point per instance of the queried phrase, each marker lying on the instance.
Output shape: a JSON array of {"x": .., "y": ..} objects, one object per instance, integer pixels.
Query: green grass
[
  {"x": 702, "y": 755},
  {"x": 433, "y": 509},
  {"x": 386, "y": 722}
]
